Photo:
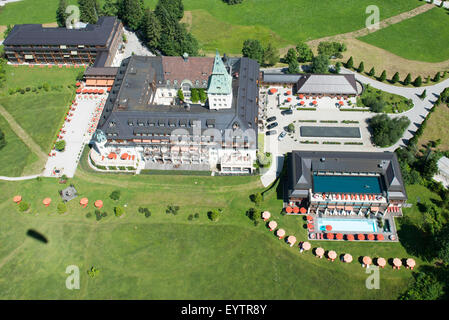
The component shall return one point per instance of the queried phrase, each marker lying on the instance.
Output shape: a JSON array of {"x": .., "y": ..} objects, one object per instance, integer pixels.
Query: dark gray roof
[
  {"x": 130, "y": 95},
  {"x": 327, "y": 84},
  {"x": 302, "y": 165},
  {"x": 100, "y": 71},
  {"x": 281, "y": 77},
  {"x": 35, "y": 34}
]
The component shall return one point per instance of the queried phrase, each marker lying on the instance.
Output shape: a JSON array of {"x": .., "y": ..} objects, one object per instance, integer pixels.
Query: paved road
[{"x": 34, "y": 176}]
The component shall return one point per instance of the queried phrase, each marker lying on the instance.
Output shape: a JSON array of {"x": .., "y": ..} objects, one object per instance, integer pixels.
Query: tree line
[{"x": 160, "y": 29}]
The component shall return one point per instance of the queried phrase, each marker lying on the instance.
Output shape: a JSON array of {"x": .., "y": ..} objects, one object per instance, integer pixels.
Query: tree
[
  {"x": 115, "y": 195},
  {"x": 350, "y": 63},
  {"x": 320, "y": 64},
  {"x": 305, "y": 54},
  {"x": 203, "y": 95},
  {"x": 231, "y": 2},
  {"x": 180, "y": 95},
  {"x": 270, "y": 55},
  {"x": 23, "y": 206},
  {"x": 291, "y": 56},
  {"x": 257, "y": 198},
  {"x": 437, "y": 77},
  {"x": 131, "y": 13},
  {"x": 61, "y": 16},
  {"x": 7, "y": 31},
  {"x": 376, "y": 104},
  {"x": 253, "y": 50},
  {"x": 291, "y": 127},
  {"x": 395, "y": 77},
  {"x": 387, "y": 131},
  {"x": 119, "y": 211},
  {"x": 174, "y": 7},
  {"x": 383, "y": 76},
  {"x": 408, "y": 79},
  {"x": 338, "y": 67},
  {"x": 88, "y": 10},
  {"x": 214, "y": 215},
  {"x": 425, "y": 287},
  {"x": 361, "y": 67},
  {"x": 293, "y": 67},
  {"x": 2, "y": 139},
  {"x": 423, "y": 94},
  {"x": 331, "y": 49},
  {"x": 110, "y": 8},
  {"x": 372, "y": 72},
  {"x": 417, "y": 82},
  {"x": 194, "y": 95},
  {"x": 60, "y": 145}
]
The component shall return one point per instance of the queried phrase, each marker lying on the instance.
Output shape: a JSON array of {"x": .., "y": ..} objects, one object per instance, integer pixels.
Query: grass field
[
  {"x": 39, "y": 113},
  {"x": 394, "y": 102},
  {"x": 289, "y": 22},
  {"x": 419, "y": 38},
  {"x": 437, "y": 128},
  {"x": 15, "y": 156},
  {"x": 169, "y": 257}
]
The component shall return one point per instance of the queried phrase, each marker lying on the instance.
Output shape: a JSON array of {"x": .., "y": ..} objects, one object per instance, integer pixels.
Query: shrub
[
  {"x": 147, "y": 214},
  {"x": 62, "y": 208},
  {"x": 115, "y": 195},
  {"x": 2, "y": 139},
  {"x": 371, "y": 72},
  {"x": 417, "y": 82},
  {"x": 60, "y": 145},
  {"x": 88, "y": 215},
  {"x": 408, "y": 80},
  {"x": 24, "y": 206},
  {"x": 383, "y": 76},
  {"x": 190, "y": 217},
  {"x": 197, "y": 215},
  {"x": 257, "y": 198},
  {"x": 395, "y": 78},
  {"x": 172, "y": 209},
  {"x": 46, "y": 86},
  {"x": 93, "y": 272},
  {"x": 214, "y": 215},
  {"x": 350, "y": 63},
  {"x": 119, "y": 211}
]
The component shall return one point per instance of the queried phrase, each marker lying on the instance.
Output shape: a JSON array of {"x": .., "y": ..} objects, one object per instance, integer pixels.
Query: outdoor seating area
[
  {"x": 332, "y": 255},
  {"x": 68, "y": 193}
]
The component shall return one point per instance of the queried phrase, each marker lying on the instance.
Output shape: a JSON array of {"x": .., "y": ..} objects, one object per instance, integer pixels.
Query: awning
[
  {"x": 102, "y": 83},
  {"x": 110, "y": 82},
  {"x": 91, "y": 82}
]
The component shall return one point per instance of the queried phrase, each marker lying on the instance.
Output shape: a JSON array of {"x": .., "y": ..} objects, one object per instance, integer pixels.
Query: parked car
[
  {"x": 288, "y": 111},
  {"x": 271, "y": 119},
  {"x": 282, "y": 135},
  {"x": 272, "y": 125},
  {"x": 271, "y": 132}
]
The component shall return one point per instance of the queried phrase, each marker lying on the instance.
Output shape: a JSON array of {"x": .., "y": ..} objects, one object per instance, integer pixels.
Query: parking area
[{"x": 312, "y": 111}]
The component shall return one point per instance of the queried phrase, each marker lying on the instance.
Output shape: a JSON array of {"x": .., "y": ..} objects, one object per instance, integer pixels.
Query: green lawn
[
  {"x": 15, "y": 156},
  {"x": 39, "y": 113},
  {"x": 393, "y": 101},
  {"x": 170, "y": 257},
  {"x": 420, "y": 38},
  {"x": 223, "y": 27},
  {"x": 437, "y": 128}
]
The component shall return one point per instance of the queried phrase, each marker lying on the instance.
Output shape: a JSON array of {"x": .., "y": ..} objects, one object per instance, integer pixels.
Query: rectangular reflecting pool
[
  {"x": 346, "y": 184},
  {"x": 348, "y": 225}
]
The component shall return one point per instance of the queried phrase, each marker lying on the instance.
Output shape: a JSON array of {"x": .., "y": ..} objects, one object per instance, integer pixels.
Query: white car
[{"x": 282, "y": 135}]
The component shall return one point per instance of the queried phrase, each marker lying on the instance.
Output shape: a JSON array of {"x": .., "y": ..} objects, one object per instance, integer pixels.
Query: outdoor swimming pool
[
  {"x": 348, "y": 225},
  {"x": 346, "y": 184}
]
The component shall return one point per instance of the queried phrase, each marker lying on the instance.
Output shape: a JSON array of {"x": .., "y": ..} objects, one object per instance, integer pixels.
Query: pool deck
[{"x": 321, "y": 235}]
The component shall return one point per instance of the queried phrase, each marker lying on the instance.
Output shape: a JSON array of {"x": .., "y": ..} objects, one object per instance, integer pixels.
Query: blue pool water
[
  {"x": 345, "y": 225},
  {"x": 346, "y": 184}
]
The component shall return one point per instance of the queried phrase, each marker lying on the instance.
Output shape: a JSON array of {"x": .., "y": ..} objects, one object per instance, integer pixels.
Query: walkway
[
  {"x": 275, "y": 169},
  {"x": 382, "y": 24}
]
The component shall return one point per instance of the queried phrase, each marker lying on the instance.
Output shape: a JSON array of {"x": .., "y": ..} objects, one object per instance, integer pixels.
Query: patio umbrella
[
  {"x": 314, "y": 102},
  {"x": 411, "y": 263},
  {"x": 306, "y": 245},
  {"x": 309, "y": 226},
  {"x": 289, "y": 92},
  {"x": 78, "y": 90},
  {"x": 78, "y": 84},
  {"x": 329, "y": 236},
  {"x": 301, "y": 96},
  {"x": 309, "y": 218},
  {"x": 288, "y": 209},
  {"x": 273, "y": 90},
  {"x": 328, "y": 227},
  {"x": 46, "y": 202},
  {"x": 98, "y": 204},
  {"x": 109, "y": 89},
  {"x": 17, "y": 199},
  {"x": 272, "y": 225},
  {"x": 360, "y": 237},
  {"x": 397, "y": 262},
  {"x": 303, "y": 210},
  {"x": 302, "y": 103},
  {"x": 124, "y": 156},
  {"x": 380, "y": 237},
  {"x": 266, "y": 215},
  {"x": 341, "y": 103},
  {"x": 291, "y": 240},
  {"x": 84, "y": 201},
  {"x": 319, "y": 252},
  {"x": 347, "y": 258},
  {"x": 280, "y": 233},
  {"x": 370, "y": 236},
  {"x": 101, "y": 91},
  {"x": 295, "y": 209},
  {"x": 289, "y": 99},
  {"x": 339, "y": 236},
  {"x": 332, "y": 255},
  {"x": 111, "y": 155},
  {"x": 350, "y": 237},
  {"x": 366, "y": 260},
  {"x": 381, "y": 262}
]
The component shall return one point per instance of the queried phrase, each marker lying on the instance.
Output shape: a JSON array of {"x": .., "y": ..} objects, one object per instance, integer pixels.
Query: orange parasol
[
  {"x": 350, "y": 237},
  {"x": 329, "y": 236},
  {"x": 303, "y": 210},
  {"x": 339, "y": 236},
  {"x": 272, "y": 225},
  {"x": 306, "y": 245},
  {"x": 370, "y": 236},
  {"x": 280, "y": 233},
  {"x": 46, "y": 202},
  {"x": 266, "y": 215},
  {"x": 288, "y": 209},
  {"x": 328, "y": 227},
  {"x": 360, "y": 237},
  {"x": 17, "y": 199},
  {"x": 98, "y": 204},
  {"x": 397, "y": 262},
  {"x": 84, "y": 201},
  {"x": 332, "y": 255},
  {"x": 347, "y": 258},
  {"x": 319, "y": 252},
  {"x": 381, "y": 262},
  {"x": 295, "y": 209},
  {"x": 379, "y": 237},
  {"x": 367, "y": 260},
  {"x": 291, "y": 240},
  {"x": 411, "y": 263}
]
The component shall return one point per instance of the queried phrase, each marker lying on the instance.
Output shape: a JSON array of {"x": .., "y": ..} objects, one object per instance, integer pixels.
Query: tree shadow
[
  {"x": 37, "y": 236},
  {"x": 415, "y": 241}
]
